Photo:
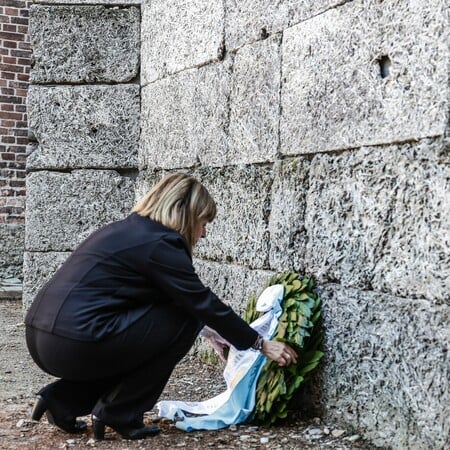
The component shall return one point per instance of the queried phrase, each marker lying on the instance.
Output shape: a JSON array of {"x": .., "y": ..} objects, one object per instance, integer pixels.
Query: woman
[{"x": 124, "y": 309}]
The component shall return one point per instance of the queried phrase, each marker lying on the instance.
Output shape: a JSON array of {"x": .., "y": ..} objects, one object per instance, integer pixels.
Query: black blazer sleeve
[{"x": 171, "y": 269}]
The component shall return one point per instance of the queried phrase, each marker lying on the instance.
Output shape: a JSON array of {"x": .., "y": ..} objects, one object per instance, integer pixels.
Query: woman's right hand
[{"x": 279, "y": 352}]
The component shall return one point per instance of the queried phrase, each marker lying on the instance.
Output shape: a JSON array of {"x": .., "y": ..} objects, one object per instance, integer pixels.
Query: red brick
[
  {"x": 20, "y": 108},
  {"x": 9, "y": 139},
  {"x": 17, "y": 183},
  {"x": 22, "y": 141},
  {"x": 21, "y": 92},
  {"x": 20, "y": 53},
  {"x": 11, "y": 11},
  {"x": 19, "y": 20},
  {"x": 10, "y": 99},
  {"x": 7, "y": 156},
  {"x": 14, "y": 3},
  {"x": 24, "y": 61},
  {"x": 9, "y": 60},
  {"x": 24, "y": 45},
  {"x": 6, "y": 124},
  {"x": 10, "y": 44},
  {"x": 11, "y": 36},
  {"x": 6, "y": 107},
  {"x": 11, "y": 68},
  {"x": 9, "y": 27},
  {"x": 9, "y": 114}
]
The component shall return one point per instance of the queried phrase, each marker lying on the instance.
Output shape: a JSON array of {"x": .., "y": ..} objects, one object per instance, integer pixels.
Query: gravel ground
[{"x": 192, "y": 380}]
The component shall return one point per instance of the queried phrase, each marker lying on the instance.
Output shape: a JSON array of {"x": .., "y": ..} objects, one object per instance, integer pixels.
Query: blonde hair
[{"x": 180, "y": 202}]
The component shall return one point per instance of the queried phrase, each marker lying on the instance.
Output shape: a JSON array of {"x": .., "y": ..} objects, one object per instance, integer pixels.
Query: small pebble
[
  {"x": 326, "y": 430},
  {"x": 244, "y": 437},
  {"x": 233, "y": 428},
  {"x": 353, "y": 438},
  {"x": 317, "y": 420},
  {"x": 314, "y": 431},
  {"x": 91, "y": 442},
  {"x": 264, "y": 440},
  {"x": 20, "y": 423},
  {"x": 337, "y": 433},
  {"x": 71, "y": 441}
]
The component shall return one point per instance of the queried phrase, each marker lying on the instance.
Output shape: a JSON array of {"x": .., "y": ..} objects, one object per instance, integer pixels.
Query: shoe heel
[
  {"x": 99, "y": 429},
  {"x": 39, "y": 408}
]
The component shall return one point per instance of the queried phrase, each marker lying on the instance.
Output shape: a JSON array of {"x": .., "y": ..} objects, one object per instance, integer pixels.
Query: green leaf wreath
[{"x": 299, "y": 327}]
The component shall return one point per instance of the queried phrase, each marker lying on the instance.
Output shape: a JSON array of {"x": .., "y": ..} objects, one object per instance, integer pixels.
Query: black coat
[{"x": 115, "y": 276}]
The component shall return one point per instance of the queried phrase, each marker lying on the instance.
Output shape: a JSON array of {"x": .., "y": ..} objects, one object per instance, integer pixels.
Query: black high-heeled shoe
[
  {"x": 41, "y": 406},
  {"x": 143, "y": 432}
]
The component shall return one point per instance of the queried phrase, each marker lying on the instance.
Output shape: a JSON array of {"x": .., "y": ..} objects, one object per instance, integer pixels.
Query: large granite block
[
  {"x": 38, "y": 268},
  {"x": 84, "y": 126},
  {"x": 177, "y": 35},
  {"x": 287, "y": 216},
  {"x": 386, "y": 367},
  {"x": 364, "y": 73},
  {"x": 255, "y": 103},
  {"x": 64, "y": 208},
  {"x": 86, "y": 44},
  {"x": 250, "y": 20},
  {"x": 415, "y": 260},
  {"x": 376, "y": 218},
  {"x": 11, "y": 250},
  {"x": 185, "y": 118}
]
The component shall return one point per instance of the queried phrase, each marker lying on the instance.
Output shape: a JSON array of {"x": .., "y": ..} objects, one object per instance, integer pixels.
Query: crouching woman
[{"x": 125, "y": 308}]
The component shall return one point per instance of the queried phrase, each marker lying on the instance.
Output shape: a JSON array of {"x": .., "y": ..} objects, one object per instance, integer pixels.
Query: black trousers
[{"x": 117, "y": 379}]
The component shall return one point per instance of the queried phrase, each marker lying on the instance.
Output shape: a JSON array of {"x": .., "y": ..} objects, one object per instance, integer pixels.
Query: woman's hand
[
  {"x": 279, "y": 352},
  {"x": 218, "y": 343}
]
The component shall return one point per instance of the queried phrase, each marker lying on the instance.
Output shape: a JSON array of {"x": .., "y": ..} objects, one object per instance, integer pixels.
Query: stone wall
[
  {"x": 15, "y": 56},
  {"x": 318, "y": 126},
  {"x": 84, "y": 109}
]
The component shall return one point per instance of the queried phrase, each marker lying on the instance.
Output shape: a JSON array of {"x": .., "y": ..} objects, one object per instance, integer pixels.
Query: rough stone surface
[
  {"x": 11, "y": 250},
  {"x": 251, "y": 20},
  {"x": 255, "y": 93},
  {"x": 386, "y": 369},
  {"x": 178, "y": 35},
  {"x": 38, "y": 268},
  {"x": 334, "y": 95},
  {"x": 84, "y": 126},
  {"x": 86, "y": 43},
  {"x": 64, "y": 208},
  {"x": 287, "y": 217},
  {"x": 185, "y": 118},
  {"x": 376, "y": 218},
  {"x": 239, "y": 234}
]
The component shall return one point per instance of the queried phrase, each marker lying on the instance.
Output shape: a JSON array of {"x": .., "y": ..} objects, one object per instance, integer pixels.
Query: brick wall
[{"x": 15, "y": 58}]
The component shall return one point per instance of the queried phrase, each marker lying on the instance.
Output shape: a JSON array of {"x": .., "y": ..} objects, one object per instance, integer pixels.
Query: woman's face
[{"x": 200, "y": 231}]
